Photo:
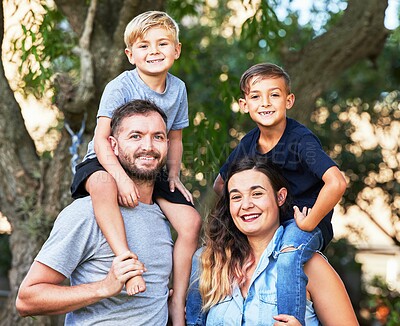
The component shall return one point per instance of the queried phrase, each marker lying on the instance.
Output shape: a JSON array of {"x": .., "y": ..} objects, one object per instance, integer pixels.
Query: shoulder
[
  {"x": 76, "y": 214},
  {"x": 296, "y": 132},
  {"x": 296, "y": 127},
  {"x": 251, "y": 136},
  {"x": 175, "y": 82}
]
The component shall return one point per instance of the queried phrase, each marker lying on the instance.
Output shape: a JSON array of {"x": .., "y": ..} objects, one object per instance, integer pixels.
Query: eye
[
  {"x": 254, "y": 97},
  {"x": 142, "y": 46},
  {"x": 135, "y": 136},
  {"x": 164, "y": 43},
  {"x": 257, "y": 194},
  {"x": 159, "y": 137},
  {"x": 235, "y": 197},
  {"x": 275, "y": 95}
]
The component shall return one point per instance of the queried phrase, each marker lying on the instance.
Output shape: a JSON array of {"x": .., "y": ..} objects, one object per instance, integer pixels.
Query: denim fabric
[
  {"x": 292, "y": 281},
  {"x": 257, "y": 308},
  {"x": 194, "y": 315}
]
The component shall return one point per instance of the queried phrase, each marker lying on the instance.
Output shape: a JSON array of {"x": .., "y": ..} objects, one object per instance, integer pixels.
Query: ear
[
  {"x": 178, "y": 49},
  {"x": 114, "y": 144},
  {"x": 129, "y": 55},
  {"x": 290, "y": 101},
  {"x": 243, "y": 105},
  {"x": 281, "y": 195}
]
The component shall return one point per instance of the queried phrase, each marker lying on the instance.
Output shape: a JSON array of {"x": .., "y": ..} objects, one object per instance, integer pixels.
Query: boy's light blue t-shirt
[{"x": 129, "y": 86}]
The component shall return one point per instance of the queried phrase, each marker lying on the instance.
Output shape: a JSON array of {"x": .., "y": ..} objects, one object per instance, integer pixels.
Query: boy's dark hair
[
  {"x": 135, "y": 107},
  {"x": 263, "y": 70}
]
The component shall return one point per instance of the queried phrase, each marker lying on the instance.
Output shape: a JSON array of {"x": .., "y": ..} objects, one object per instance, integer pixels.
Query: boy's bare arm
[
  {"x": 175, "y": 151},
  {"x": 329, "y": 196},
  {"x": 128, "y": 193}
]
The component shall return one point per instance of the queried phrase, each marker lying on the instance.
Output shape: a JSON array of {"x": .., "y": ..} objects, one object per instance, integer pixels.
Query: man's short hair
[
  {"x": 135, "y": 107},
  {"x": 140, "y": 25}
]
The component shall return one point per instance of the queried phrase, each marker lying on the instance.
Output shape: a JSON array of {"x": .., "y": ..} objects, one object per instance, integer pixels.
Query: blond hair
[{"x": 140, "y": 25}]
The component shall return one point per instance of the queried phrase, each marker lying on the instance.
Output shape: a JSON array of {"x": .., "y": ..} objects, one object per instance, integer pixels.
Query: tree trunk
[
  {"x": 33, "y": 190},
  {"x": 360, "y": 34}
]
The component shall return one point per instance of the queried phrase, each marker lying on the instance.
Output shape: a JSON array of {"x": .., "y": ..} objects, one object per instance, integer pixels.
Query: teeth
[
  {"x": 146, "y": 158},
  {"x": 154, "y": 61},
  {"x": 266, "y": 113},
  {"x": 249, "y": 217}
]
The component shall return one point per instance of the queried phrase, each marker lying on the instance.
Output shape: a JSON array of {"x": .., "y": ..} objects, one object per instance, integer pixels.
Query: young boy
[
  {"x": 314, "y": 178},
  {"x": 152, "y": 45}
]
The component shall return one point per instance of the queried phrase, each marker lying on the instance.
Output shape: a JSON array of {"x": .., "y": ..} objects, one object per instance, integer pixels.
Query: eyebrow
[{"x": 251, "y": 188}]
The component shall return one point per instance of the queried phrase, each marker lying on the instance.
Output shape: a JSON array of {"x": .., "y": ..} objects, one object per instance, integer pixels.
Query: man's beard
[{"x": 140, "y": 174}]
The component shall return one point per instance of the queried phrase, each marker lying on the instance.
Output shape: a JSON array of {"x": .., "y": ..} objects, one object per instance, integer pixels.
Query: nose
[
  {"x": 265, "y": 101},
  {"x": 247, "y": 202},
  {"x": 153, "y": 49},
  {"x": 147, "y": 143}
]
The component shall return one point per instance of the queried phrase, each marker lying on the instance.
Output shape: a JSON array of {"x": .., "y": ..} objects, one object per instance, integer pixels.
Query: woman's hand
[{"x": 286, "y": 320}]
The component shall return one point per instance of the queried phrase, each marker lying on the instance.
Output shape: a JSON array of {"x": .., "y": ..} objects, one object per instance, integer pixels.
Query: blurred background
[{"x": 344, "y": 61}]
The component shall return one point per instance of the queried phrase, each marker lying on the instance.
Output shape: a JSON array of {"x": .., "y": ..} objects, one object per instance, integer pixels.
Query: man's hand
[
  {"x": 124, "y": 267},
  {"x": 175, "y": 183},
  {"x": 128, "y": 193}
]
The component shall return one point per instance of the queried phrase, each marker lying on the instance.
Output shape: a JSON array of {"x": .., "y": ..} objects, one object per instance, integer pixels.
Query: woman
[{"x": 238, "y": 278}]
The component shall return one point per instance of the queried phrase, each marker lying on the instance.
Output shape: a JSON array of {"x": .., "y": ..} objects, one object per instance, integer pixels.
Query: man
[{"x": 77, "y": 249}]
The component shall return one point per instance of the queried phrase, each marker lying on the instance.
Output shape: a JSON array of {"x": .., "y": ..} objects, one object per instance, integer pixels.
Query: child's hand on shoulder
[
  {"x": 176, "y": 183},
  {"x": 300, "y": 217},
  {"x": 128, "y": 194}
]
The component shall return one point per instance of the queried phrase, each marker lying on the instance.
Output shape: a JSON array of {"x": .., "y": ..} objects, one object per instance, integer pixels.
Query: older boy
[{"x": 314, "y": 178}]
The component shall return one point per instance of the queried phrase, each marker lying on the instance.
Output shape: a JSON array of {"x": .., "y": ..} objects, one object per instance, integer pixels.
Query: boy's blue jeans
[
  {"x": 292, "y": 281},
  {"x": 194, "y": 314}
]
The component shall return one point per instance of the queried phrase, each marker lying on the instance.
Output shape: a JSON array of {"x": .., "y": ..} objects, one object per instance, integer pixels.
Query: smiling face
[
  {"x": 141, "y": 145},
  {"x": 267, "y": 100},
  {"x": 254, "y": 205},
  {"x": 154, "y": 53}
]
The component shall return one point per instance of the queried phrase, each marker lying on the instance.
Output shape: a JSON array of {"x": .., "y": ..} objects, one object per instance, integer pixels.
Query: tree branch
[{"x": 359, "y": 35}]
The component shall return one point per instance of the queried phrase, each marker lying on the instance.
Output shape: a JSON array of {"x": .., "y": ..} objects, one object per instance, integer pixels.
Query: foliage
[
  {"x": 364, "y": 139},
  {"x": 383, "y": 303},
  {"x": 44, "y": 48}
]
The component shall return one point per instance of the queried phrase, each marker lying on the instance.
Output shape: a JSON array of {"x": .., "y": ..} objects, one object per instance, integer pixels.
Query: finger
[
  {"x": 172, "y": 186},
  {"x": 305, "y": 211},
  {"x": 135, "y": 200},
  {"x": 282, "y": 317},
  {"x": 190, "y": 198},
  {"x": 296, "y": 211},
  {"x": 120, "y": 202}
]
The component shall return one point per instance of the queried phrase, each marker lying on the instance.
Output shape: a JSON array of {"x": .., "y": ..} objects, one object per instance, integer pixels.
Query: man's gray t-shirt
[
  {"x": 129, "y": 86},
  {"x": 77, "y": 249}
]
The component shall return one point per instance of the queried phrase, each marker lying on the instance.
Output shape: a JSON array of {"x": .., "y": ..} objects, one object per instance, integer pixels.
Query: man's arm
[
  {"x": 328, "y": 197},
  {"x": 41, "y": 292}
]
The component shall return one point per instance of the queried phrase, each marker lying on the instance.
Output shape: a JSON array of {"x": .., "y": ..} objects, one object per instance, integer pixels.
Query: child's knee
[{"x": 100, "y": 181}]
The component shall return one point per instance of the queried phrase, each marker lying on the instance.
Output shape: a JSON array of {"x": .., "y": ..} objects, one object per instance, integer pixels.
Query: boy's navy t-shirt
[{"x": 302, "y": 160}]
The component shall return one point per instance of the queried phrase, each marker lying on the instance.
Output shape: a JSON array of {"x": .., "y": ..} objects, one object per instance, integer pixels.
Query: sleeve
[
  {"x": 313, "y": 157},
  {"x": 182, "y": 117},
  {"x": 71, "y": 241},
  {"x": 113, "y": 97}
]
